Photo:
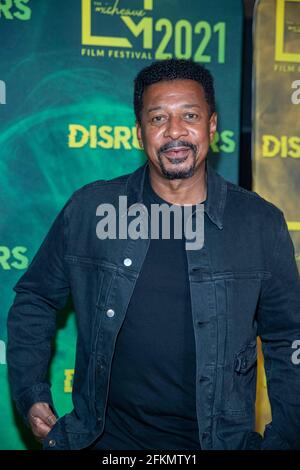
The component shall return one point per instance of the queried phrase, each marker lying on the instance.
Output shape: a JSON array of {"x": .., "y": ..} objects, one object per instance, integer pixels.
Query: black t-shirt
[{"x": 152, "y": 394}]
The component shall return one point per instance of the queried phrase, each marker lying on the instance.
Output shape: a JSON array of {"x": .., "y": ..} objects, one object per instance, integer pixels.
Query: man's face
[{"x": 176, "y": 127}]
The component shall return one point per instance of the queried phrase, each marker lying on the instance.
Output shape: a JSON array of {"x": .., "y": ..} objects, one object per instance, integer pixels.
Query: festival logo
[
  {"x": 287, "y": 31},
  {"x": 142, "y": 35}
]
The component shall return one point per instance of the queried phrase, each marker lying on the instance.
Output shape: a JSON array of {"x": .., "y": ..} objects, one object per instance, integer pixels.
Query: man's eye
[
  {"x": 157, "y": 119},
  {"x": 191, "y": 116}
]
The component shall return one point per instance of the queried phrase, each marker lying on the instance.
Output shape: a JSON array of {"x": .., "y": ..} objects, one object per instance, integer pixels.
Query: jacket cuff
[
  {"x": 273, "y": 441},
  {"x": 38, "y": 393}
]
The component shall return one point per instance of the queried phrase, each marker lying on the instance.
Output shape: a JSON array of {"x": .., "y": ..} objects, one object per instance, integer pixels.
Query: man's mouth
[{"x": 178, "y": 153}]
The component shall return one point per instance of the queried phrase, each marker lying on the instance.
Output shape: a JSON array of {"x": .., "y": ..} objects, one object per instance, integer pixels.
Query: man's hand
[{"x": 41, "y": 420}]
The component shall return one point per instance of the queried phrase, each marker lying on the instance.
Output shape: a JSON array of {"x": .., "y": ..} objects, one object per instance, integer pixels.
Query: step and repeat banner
[
  {"x": 276, "y": 119},
  {"x": 66, "y": 119}
]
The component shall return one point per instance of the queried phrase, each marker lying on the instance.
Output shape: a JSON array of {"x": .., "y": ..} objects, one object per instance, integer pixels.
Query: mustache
[{"x": 176, "y": 144}]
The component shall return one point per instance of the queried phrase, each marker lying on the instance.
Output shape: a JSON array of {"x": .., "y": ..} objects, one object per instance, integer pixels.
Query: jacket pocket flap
[{"x": 246, "y": 358}]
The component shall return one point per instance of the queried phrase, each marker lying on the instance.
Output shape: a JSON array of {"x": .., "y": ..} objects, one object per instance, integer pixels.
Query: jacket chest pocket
[
  {"x": 241, "y": 295},
  {"x": 90, "y": 284},
  {"x": 104, "y": 285},
  {"x": 240, "y": 346}
]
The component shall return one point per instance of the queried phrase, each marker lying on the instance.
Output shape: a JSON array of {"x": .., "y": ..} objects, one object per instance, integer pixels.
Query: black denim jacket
[{"x": 243, "y": 282}]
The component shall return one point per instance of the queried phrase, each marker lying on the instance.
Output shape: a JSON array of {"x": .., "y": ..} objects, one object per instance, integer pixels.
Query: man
[{"x": 166, "y": 350}]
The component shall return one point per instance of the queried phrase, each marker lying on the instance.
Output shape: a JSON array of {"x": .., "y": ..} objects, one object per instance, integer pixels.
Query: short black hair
[{"x": 172, "y": 69}]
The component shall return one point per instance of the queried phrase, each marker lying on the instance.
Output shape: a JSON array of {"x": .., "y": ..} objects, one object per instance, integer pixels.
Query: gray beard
[{"x": 176, "y": 173}]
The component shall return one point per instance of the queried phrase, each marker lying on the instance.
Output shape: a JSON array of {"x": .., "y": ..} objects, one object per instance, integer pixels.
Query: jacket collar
[{"x": 216, "y": 192}]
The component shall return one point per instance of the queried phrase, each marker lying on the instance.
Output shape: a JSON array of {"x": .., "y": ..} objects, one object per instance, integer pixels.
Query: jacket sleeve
[
  {"x": 279, "y": 329},
  {"x": 40, "y": 292}
]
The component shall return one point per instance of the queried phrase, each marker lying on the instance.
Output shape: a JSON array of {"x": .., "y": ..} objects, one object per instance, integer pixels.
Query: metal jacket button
[{"x": 110, "y": 313}]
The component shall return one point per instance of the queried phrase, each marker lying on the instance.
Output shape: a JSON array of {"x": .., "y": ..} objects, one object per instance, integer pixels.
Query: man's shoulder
[
  {"x": 101, "y": 188},
  {"x": 251, "y": 202},
  {"x": 97, "y": 192},
  {"x": 103, "y": 184}
]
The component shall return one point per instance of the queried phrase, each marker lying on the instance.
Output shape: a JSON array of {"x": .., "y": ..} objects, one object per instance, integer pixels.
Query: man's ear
[
  {"x": 139, "y": 134},
  {"x": 213, "y": 121}
]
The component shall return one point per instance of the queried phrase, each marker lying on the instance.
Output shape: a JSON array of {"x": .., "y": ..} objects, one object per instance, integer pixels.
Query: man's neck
[{"x": 183, "y": 191}]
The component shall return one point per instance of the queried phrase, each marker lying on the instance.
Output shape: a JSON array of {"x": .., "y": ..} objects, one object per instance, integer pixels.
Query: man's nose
[{"x": 175, "y": 128}]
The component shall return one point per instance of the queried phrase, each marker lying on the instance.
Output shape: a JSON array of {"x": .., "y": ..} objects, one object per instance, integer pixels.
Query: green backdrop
[{"x": 66, "y": 73}]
